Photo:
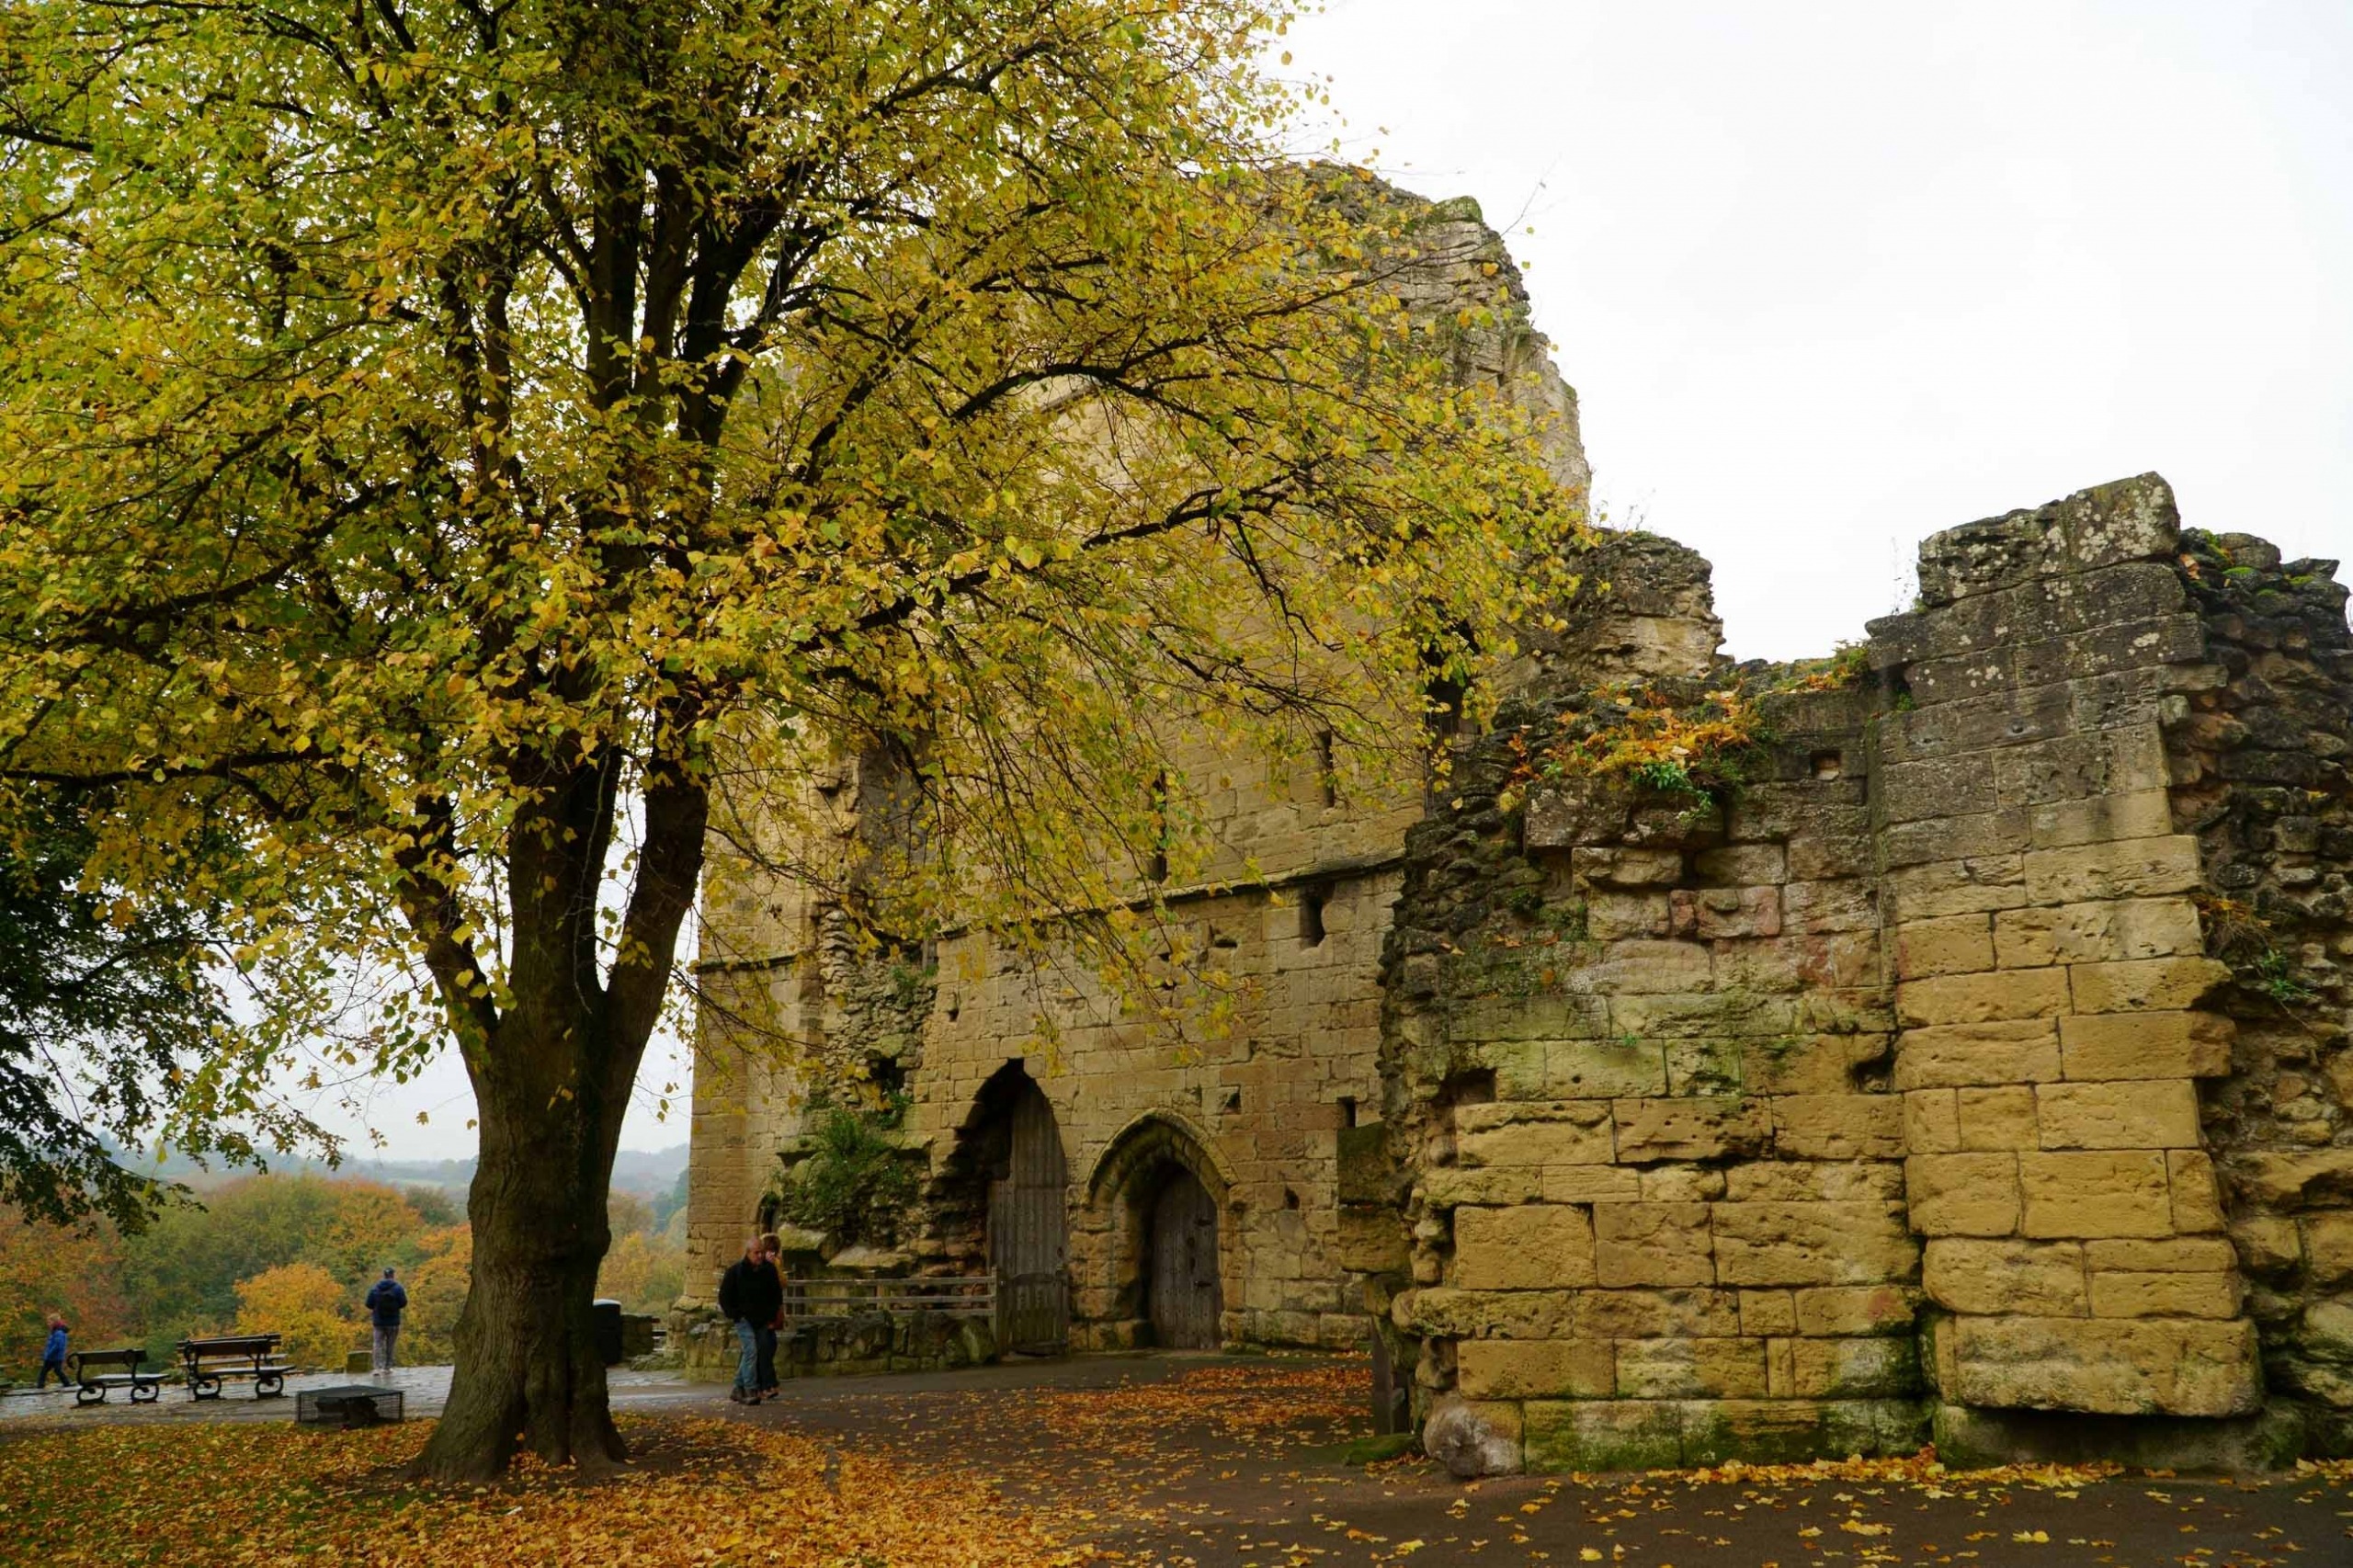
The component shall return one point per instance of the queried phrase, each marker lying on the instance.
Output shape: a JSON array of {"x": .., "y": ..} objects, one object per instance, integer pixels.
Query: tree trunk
[{"x": 528, "y": 1368}]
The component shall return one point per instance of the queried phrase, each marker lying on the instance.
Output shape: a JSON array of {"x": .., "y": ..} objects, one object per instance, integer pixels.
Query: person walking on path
[
  {"x": 771, "y": 1260},
  {"x": 53, "y": 1355},
  {"x": 386, "y": 1302},
  {"x": 751, "y": 1295}
]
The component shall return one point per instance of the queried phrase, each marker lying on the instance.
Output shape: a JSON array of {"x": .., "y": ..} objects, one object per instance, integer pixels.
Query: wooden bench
[
  {"x": 90, "y": 1386},
  {"x": 209, "y": 1362}
]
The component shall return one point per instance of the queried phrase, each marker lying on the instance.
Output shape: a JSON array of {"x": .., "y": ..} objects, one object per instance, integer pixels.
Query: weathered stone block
[
  {"x": 1961, "y": 1055},
  {"x": 1815, "y": 1181},
  {"x": 1883, "y": 1367},
  {"x": 1818, "y": 907},
  {"x": 2328, "y": 1247},
  {"x": 2165, "y": 1295},
  {"x": 2160, "y": 1114},
  {"x": 1369, "y": 1240},
  {"x": 2135, "y": 1367},
  {"x": 1932, "y": 1122},
  {"x": 1808, "y": 1063},
  {"x": 2128, "y": 520},
  {"x": 2102, "y": 818},
  {"x": 1838, "y": 1127},
  {"x": 1682, "y": 1184},
  {"x": 2145, "y": 1045},
  {"x": 1940, "y": 786},
  {"x": 2097, "y": 933},
  {"x": 1658, "y": 1315},
  {"x": 2179, "y": 1255},
  {"x": 2197, "y": 1193},
  {"x": 1957, "y": 887},
  {"x": 1764, "y": 1313},
  {"x": 1535, "y": 1247},
  {"x": 2266, "y": 1244},
  {"x": 1851, "y": 1310},
  {"x": 1963, "y": 1195},
  {"x": 1812, "y": 1244},
  {"x": 1741, "y": 865},
  {"x": 1955, "y": 838},
  {"x": 1558, "y": 1137},
  {"x": 2035, "y": 1278},
  {"x": 1603, "y": 1435},
  {"x": 1444, "y": 1312},
  {"x": 1957, "y": 944},
  {"x": 1449, "y": 1185},
  {"x": 1591, "y": 1069},
  {"x": 2146, "y": 985},
  {"x": 1690, "y": 1128},
  {"x": 1591, "y": 1184},
  {"x": 1611, "y": 917},
  {"x": 1534, "y": 1369},
  {"x": 1997, "y": 1118},
  {"x": 2103, "y": 764},
  {"x": 1480, "y": 1020},
  {"x": 1721, "y": 914},
  {"x": 1653, "y": 1243},
  {"x": 1691, "y": 1369},
  {"x": 1638, "y": 967},
  {"x": 2314, "y": 1178},
  {"x": 2137, "y": 868},
  {"x": 1791, "y": 1431},
  {"x": 1709, "y": 1067},
  {"x": 2091, "y": 1195},
  {"x": 1618, "y": 867},
  {"x": 1981, "y": 998}
]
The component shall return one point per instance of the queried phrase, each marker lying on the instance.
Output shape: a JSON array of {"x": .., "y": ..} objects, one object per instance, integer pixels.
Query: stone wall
[
  {"x": 1865, "y": 1074},
  {"x": 1258, "y": 1098}
]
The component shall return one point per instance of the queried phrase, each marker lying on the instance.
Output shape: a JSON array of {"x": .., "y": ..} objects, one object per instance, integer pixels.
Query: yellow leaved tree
[
  {"x": 451, "y": 454},
  {"x": 302, "y": 1302}
]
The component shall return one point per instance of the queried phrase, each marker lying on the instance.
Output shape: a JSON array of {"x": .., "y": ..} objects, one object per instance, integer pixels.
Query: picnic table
[
  {"x": 209, "y": 1362},
  {"x": 90, "y": 1385}
]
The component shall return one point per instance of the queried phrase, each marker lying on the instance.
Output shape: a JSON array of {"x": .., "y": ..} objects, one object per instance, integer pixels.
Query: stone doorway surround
[{"x": 1156, "y": 1155}]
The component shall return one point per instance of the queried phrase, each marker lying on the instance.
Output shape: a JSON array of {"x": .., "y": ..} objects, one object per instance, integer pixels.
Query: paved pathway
[
  {"x": 1211, "y": 1461},
  {"x": 427, "y": 1389},
  {"x": 1225, "y": 1463}
]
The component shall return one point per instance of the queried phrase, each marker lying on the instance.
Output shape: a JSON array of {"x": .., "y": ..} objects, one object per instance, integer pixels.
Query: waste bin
[{"x": 609, "y": 1330}]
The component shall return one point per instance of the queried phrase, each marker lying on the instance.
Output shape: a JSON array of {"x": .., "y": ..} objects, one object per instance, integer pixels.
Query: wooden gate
[
  {"x": 1185, "y": 1295},
  {"x": 1028, "y": 1239}
]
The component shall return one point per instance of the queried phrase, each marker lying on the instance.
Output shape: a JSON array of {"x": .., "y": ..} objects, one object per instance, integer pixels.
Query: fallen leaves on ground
[{"x": 711, "y": 1494}]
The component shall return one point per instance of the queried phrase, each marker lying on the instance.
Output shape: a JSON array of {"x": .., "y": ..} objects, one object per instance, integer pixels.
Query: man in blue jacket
[
  {"x": 386, "y": 1300},
  {"x": 53, "y": 1355}
]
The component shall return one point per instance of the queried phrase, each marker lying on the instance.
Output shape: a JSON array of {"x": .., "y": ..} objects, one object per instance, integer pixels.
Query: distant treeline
[{"x": 292, "y": 1253}]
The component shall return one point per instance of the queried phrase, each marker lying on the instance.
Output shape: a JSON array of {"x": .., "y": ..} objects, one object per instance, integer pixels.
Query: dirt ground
[{"x": 1230, "y": 1462}]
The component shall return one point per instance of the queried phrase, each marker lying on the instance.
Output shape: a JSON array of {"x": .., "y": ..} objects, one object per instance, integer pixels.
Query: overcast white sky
[{"x": 1829, "y": 276}]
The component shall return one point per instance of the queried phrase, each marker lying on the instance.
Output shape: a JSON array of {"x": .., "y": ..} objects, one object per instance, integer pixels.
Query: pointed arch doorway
[
  {"x": 1028, "y": 1218},
  {"x": 1181, "y": 1290}
]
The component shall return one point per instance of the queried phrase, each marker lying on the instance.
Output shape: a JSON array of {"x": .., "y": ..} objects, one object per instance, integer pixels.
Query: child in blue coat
[{"x": 52, "y": 1355}]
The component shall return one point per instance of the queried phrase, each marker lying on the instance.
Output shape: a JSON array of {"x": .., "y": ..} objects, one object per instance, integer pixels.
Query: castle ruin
[{"x": 1946, "y": 1038}]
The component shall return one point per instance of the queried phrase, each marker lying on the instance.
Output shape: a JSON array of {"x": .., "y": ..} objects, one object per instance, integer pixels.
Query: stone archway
[
  {"x": 1005, "y": 1187},
  {"x": 1161, "y": 1195}
]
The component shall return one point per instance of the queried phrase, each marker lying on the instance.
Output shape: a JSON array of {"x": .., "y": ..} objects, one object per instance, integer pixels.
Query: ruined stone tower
[{"x": 1951, "y": 1039}]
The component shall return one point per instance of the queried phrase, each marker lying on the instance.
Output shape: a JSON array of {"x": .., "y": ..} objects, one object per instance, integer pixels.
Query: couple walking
[{"x": 751, "y": 1295}]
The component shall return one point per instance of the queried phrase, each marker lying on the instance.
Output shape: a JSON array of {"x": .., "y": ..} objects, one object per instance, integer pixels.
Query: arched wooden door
[
  {"x": 1028, "y": 1241},
  {"x": 1184, "y": 1293}
]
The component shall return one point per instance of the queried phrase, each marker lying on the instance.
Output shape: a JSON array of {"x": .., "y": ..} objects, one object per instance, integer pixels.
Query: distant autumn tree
[
  {"x": 76, "y": 1272},
  {"x": 443, "y": 446},
  {"x": 304, "y": 1304}
]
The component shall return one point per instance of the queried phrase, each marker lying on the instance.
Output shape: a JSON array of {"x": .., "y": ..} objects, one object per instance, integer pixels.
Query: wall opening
[{"x": 1311, "y": 900}]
